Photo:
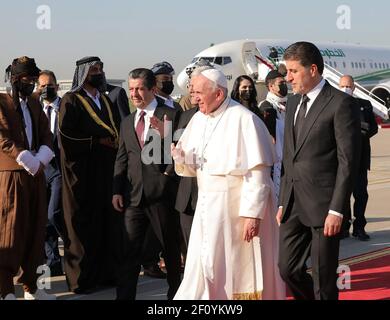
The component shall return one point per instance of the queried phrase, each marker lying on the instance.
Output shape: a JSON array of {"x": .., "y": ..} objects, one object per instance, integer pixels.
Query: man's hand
[
  {"x": 332, "y": 225},
  {"x": 279, "y": 216},
  {"x": 177, "y": 153},
  {"x": 117, "y": 202},
  {"x": 160, "y": 126},
  {"x": 251, "y": 229}
]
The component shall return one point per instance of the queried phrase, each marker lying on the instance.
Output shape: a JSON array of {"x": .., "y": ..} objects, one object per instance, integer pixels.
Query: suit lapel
[
  {"x": 133, "y": 134},
  {"x": 318, "y": 106}
]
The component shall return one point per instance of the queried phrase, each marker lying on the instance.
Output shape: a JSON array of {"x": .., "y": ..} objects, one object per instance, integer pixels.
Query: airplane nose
[{"x": 182, "y": 80}]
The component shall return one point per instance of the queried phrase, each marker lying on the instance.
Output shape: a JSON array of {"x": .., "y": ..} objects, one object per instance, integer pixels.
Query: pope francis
[{"x": 232, "y": 250}]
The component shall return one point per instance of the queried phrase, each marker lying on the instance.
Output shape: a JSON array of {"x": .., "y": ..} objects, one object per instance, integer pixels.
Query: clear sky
[{"x": 127, "y": 34}]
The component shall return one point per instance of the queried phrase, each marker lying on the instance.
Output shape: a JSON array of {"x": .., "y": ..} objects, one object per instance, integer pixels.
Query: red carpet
[{"x": 370, "y": 277}]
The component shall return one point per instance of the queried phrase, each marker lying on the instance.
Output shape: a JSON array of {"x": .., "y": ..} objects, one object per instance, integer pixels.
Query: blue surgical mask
[{"x": 347, "y": 90}]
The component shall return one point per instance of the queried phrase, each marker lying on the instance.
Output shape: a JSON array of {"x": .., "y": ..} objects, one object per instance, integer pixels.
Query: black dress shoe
[
  {"x": 154, "y": 272},
  {"x": 344, "y": 234},
  {"x": 361, "y": 235}
]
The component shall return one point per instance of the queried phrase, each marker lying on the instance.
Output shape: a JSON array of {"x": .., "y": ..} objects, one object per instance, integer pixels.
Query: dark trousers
[
  {"x": 166, "y": 227},
  {"x": 298, "y": 242},
  {"x": 55, "y": 217},
  {"x": 151, "y": 249},
  {"x": 360, "y": 196}
]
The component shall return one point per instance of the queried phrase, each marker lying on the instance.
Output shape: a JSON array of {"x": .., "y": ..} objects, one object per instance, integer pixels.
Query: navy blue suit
[{"x": 54, "y": 189}]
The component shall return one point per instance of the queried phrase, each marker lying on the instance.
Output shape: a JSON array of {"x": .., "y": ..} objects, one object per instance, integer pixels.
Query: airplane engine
[{"x": 383, "y": 91}]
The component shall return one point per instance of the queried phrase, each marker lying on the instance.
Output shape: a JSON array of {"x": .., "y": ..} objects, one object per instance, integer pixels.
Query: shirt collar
[
  {"x": 97, "y": 97},
  {"x": 313, "y": 93},
  {"x": 150, "y": 108},
  {"x": 23, "y": 103},
  {"x": 221, "y": 109},
  {"x": 55, "y": 104}
]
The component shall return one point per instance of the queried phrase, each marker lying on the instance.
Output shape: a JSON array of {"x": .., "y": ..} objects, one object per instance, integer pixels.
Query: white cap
[{"x": 215, "y": 76}]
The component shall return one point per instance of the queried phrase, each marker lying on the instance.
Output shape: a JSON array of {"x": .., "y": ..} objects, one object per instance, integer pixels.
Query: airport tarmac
[{"x": 378, "y": 227}]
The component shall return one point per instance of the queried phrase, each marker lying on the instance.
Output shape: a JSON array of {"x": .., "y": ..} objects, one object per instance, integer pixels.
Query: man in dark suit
[
  {"x": 369, "y": 128},
  {"x": 164, "y": 73},
  {"x": 119, "y": 99},
  {"x": 48, "y": 88},
  {"x": 144, "y": 184},
  {"x": 187, "y": 194},
  {"x": 321, "y": 146}
]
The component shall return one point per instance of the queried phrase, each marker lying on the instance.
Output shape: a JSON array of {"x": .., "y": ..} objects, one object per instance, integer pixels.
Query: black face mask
[
  {"x": 98, "y": 81},
  {"x": 167, "y": 87},
  {"x": 26, "y": 89},
  {"x": 283, "y": 90},
  {"x": 246, "y": 95},
  {"x": 49, "y": 94}
]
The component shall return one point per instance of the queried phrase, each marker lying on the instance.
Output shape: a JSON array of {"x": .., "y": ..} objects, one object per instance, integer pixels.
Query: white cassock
[{"x": 234, "y": 180}]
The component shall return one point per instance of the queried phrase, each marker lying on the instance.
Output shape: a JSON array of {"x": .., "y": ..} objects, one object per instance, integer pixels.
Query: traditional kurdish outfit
[
  {"x": 231, "y": 153},
  {"x": 23, "y": 207}
]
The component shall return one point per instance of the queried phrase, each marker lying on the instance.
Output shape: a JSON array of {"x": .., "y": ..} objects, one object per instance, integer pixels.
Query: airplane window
[
  {"x": 227, "y": 60},
  {"x": 335, "y": 64},
  {"x": 218, "y": 60},
  {"x": 353, "y": 65},
  {"x": 209, "y": 59},
  {"x": 360, "y": 65},
  {"x": 376, "y": 66},
  {"x": 344, "y": 64},
  {"x": 387, "y": 65}
]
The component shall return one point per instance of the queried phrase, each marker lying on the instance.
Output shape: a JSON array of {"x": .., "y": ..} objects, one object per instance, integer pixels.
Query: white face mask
[{"x": 347, "y": 90}]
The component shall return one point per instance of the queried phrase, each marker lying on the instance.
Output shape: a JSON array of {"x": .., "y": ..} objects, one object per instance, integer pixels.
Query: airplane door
[{"x": 250, "y": 64}]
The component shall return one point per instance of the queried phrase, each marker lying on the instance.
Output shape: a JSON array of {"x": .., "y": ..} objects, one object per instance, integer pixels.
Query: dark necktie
[
  {"x": 49, "y": 109},
  {"x": 301, "y": 117},
  {"x": 140, "y": 128}
]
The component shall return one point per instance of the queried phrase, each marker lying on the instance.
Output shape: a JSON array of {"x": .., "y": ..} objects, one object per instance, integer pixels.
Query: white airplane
[{"x": 369, "y": 65}]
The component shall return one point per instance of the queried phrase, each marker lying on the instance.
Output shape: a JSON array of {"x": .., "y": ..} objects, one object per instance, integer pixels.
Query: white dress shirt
[
  {"x": 95, "y": 99},
  {"x": 168, "y": 101},
  {"x": 149, "y": 110},
  {"x": 312, "y": 95},
  {"x": 27, "y": 122},
  {"x": 53, "y": 114}
]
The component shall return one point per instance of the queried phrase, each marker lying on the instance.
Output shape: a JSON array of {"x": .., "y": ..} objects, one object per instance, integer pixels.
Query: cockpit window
[
  {"x": 216, "y": 60},
  {"x": 227, "y": 60}
]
